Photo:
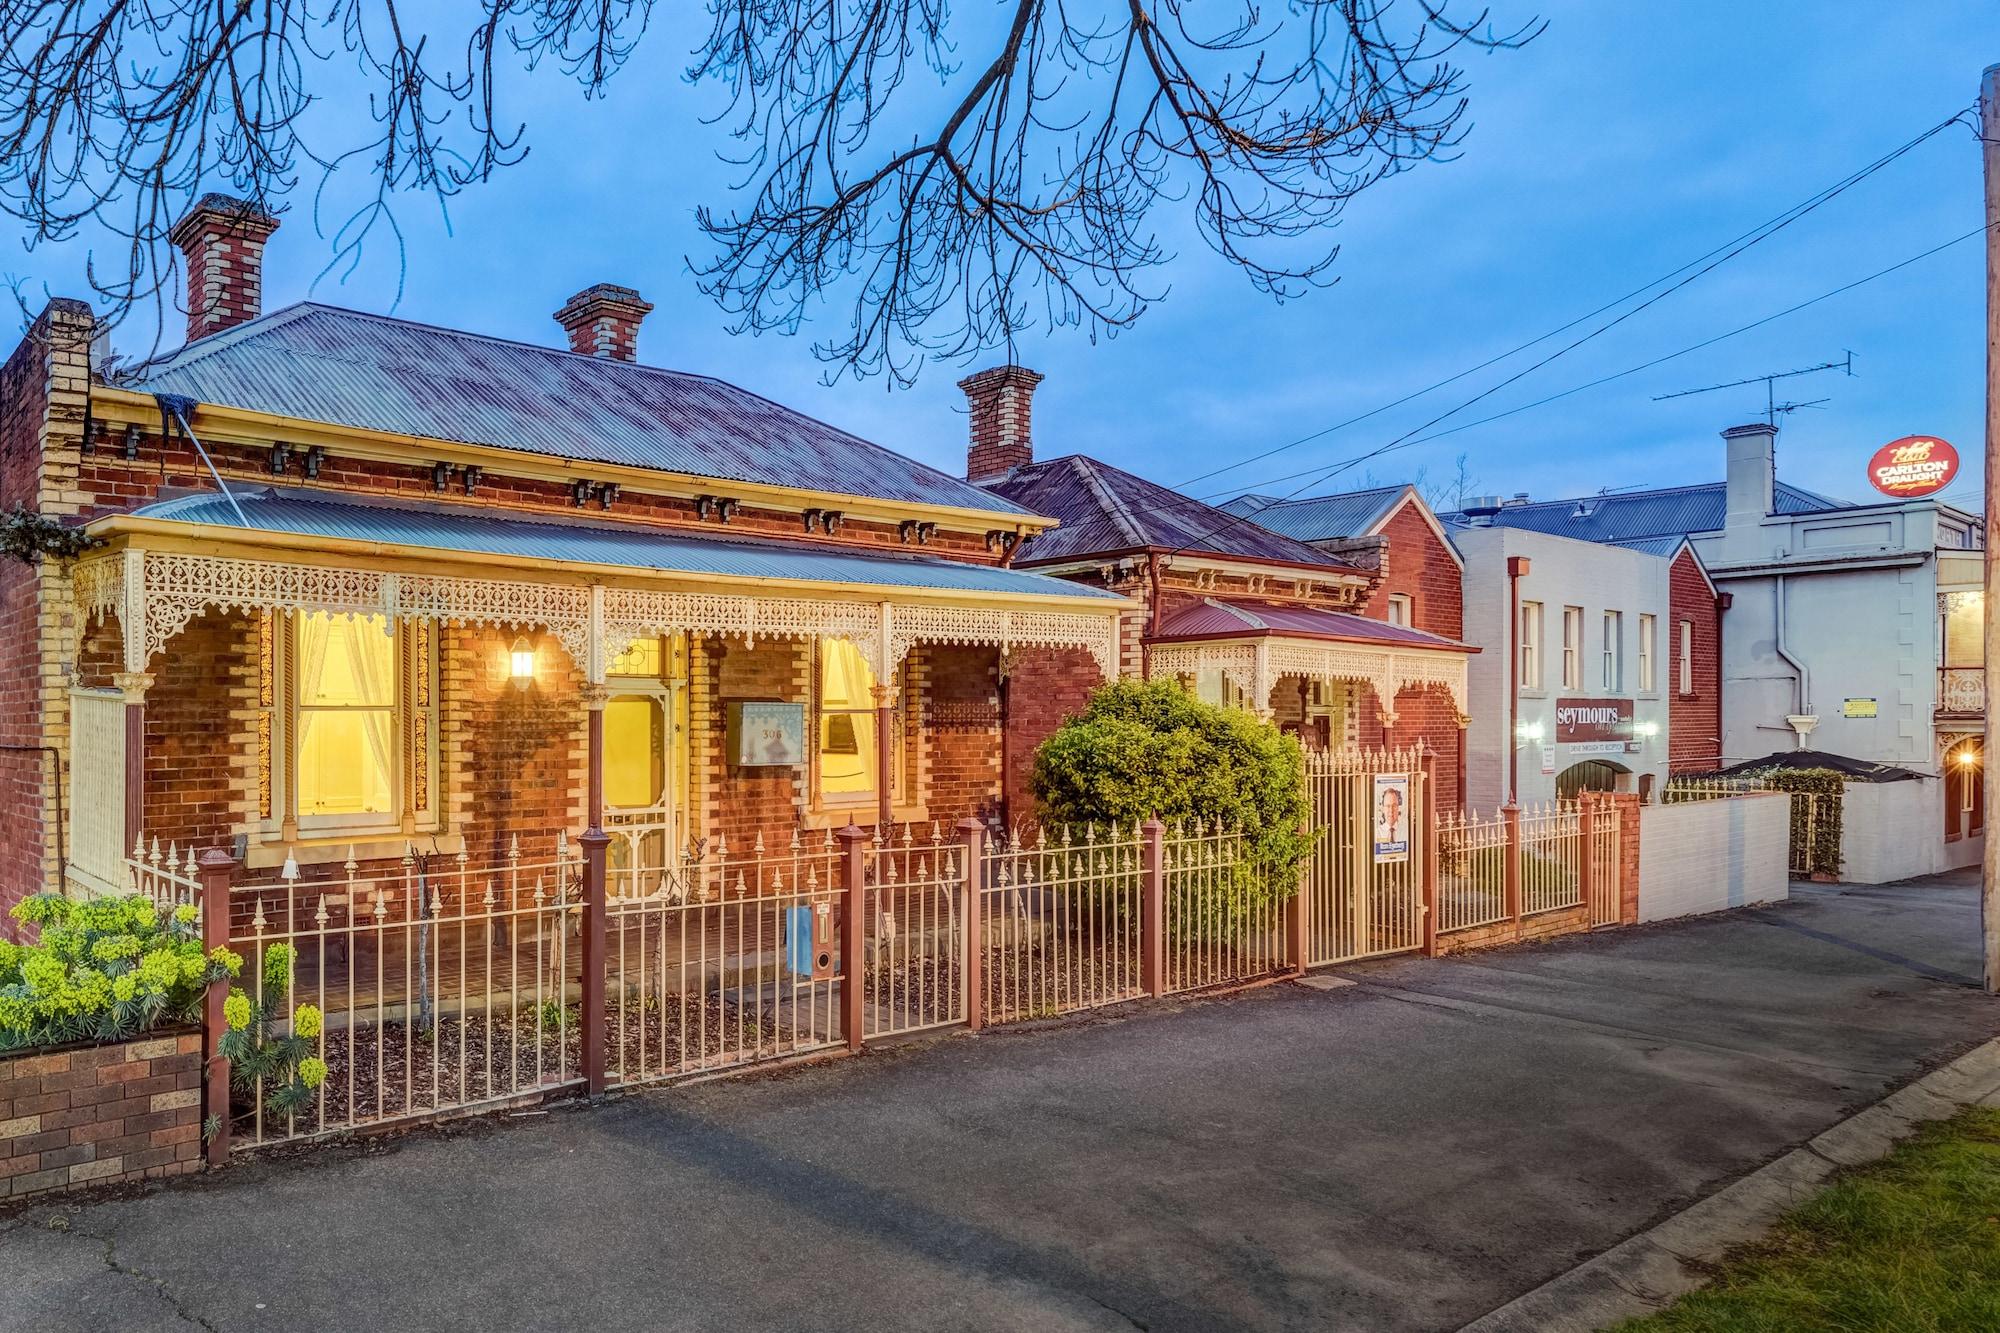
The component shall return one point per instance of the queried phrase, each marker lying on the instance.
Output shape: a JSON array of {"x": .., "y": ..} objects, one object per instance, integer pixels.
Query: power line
[
  {"x": 1741, "y": 242},
  {"x": 1705, "y": 268},
  {"x": 1643, "y": 365}
]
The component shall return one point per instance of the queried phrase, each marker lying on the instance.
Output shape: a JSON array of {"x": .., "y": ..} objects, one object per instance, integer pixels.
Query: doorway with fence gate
[{"x": 1364, "y": 886}]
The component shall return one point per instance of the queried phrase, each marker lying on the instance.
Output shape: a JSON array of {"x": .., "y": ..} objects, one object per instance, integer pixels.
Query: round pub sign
[{"x": 1913, "y": 467}]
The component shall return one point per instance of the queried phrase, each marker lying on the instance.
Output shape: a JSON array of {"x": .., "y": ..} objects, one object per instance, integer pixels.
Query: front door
[{"x": 643, "y": 771}]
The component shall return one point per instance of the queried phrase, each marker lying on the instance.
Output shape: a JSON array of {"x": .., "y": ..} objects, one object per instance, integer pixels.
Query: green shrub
[
  {"x": 105, "y": 969},
  {"x": 1816, "y": 824},
  {"x": 1151, "y": 750}
]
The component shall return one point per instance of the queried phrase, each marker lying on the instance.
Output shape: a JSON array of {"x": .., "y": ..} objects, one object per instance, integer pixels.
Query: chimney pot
[
  {"x": 604, "y": 321},
  {"x": 999, "y": 399},
  {"x": 221, "y": 241}
]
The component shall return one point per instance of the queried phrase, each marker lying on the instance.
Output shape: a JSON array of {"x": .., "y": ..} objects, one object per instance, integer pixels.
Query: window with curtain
[
  {"x": 848, "y": 772},
  {"x": 354, "y": 703}
]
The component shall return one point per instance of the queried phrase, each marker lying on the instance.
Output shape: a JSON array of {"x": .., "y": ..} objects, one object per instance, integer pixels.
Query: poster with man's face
[{"x": 1392, "y": 817}]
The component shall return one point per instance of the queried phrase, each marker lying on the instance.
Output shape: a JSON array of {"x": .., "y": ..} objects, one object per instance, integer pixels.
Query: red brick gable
[
  {"x": 1419, "y": 565},
  {"x": 1694, "y": 718}
]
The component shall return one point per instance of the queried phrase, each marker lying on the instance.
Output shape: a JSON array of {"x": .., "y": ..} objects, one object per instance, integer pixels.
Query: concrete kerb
[{"x": 1650, "y": 1270}]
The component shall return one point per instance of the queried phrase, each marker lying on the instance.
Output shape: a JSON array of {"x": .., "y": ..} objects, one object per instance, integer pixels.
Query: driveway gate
[{"x": 1365, "y": 896}]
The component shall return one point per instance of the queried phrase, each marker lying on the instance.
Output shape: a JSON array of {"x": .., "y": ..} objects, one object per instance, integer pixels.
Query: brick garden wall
[
  {"x": 95, "y": 1115},
  {"x": 1694, "y": 719}
]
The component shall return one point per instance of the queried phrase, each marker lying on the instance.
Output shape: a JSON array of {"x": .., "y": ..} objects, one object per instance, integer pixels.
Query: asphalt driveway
[{"x": 1404, "y": 1153}]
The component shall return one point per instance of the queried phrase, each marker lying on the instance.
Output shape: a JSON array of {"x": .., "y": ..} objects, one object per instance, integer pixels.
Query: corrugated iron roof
[
  {"x": 346, "y": 368},
  {"x": 454, "y": 528},
  {"x": 1630, "y": 516},
  {"x": 1104, "y": 509},
  {"x": 1213, "y": 617},
  {"x": 1320, "y": 517}
]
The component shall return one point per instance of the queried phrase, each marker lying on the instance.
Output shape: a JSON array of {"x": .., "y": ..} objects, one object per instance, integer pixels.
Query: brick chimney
[
  {"x": 221, "y": 242},
  {"x": 604, "y": 321},
  {"x": 999, "y": 400}
]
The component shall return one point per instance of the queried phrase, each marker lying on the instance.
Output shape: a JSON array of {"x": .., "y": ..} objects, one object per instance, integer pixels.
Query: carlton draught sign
[{"x": 1913, "y": 467}]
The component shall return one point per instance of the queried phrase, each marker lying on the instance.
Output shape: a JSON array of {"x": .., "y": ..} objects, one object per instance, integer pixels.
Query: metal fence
[
  {"x": 169, "y": 878},
  {"x": 912, "y": 978},
  {"x": 439, "y": 986},
  {"x": 1516, "y": 864},
  {"x": 726, "y": 959},
  {"x": 1060, "y": 922}
]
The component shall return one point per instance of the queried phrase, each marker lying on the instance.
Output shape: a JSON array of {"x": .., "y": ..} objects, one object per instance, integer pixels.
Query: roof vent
[
  {"x": 1480, "y": 509},
  {"x": 1520, "y": 498}
]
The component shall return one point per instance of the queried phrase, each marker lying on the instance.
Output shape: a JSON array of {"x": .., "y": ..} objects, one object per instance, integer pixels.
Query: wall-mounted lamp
[
  {"x": 1530, "y": 731},
  {"x": 1968, "y": 757},
  {"x": 521, "y": 663},
  {"x": 1648, "y": 729}
]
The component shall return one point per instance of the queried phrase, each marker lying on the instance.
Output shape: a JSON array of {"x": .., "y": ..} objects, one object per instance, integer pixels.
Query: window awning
[
  {"x": 1255, "y": 644},
  {"x": 596, "y": 585}
]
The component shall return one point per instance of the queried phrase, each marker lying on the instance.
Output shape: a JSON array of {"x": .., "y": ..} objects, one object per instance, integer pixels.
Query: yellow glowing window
[
  {"x": 643, "y": 658},
  {"x": 635, "y": 751},
  {"x": 347, "y": 746},
  {"x": 847, "y": 757}
]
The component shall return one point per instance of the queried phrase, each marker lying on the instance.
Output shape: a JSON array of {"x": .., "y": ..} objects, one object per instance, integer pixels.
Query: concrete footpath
[{"x": 1412, "y": 1152}]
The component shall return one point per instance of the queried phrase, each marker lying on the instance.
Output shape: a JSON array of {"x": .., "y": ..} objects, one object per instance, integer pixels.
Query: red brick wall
[
  {"x": 1421, "y": 567},
  {"x": 40, "y": 423},
  {"x": 961, "y": 714},
  {"x": 98, "y": 1114},
  {"x": 1045, "y": 687},
  {"x": 113, "y": 484},
  {"x": 1694, "y": 720}
]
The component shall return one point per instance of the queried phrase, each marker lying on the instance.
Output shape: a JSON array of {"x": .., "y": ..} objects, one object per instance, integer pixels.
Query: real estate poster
[{"x": 1392, "y": 817}]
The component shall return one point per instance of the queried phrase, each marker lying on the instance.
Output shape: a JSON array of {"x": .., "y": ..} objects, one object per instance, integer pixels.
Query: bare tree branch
[{"x": 1028, "y": 196}]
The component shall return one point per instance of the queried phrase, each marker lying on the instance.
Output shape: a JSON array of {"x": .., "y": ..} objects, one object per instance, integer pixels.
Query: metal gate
[{"x": 1360, "y": 904}]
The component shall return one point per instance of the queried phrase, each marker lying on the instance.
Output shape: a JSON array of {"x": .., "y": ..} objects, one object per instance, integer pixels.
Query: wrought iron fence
[
  {"x": 728, "y": 958},
  {"x": 1060, "y": 922},
  {"x": 168, "y": 878},
  {"x": 1224, "y": 922},
  {"x": 1472, "y": 871},
  {"x": 439, "y": 986},
  {"x": 1511, "y": 865},
  {"x": 912, "y": 978}
]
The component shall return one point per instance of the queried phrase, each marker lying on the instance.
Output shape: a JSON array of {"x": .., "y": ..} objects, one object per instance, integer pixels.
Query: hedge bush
[
  {"x": 1152, "y": 750},
  {"x": 104, "y": 969},
  {"x": 1815, "y": 845}
]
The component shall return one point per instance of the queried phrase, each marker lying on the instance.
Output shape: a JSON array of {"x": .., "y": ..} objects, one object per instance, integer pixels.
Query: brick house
[
  {"x": 1393, "y": 532},
  {"x": 361, "y": 586},
  {"x": 1307, "y": 638}
]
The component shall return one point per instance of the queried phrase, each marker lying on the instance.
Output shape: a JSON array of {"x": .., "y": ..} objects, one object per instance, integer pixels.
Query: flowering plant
[
  {"x": 266, "y": 1053},
  {"x": 102, "y": 969}
]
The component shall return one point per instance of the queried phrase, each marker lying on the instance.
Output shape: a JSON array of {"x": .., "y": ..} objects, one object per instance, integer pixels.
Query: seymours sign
[{"x": 1594, "y": 726}]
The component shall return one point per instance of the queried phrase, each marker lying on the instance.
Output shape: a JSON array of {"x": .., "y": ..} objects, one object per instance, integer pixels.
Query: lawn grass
[{"x": 1909, "y": 1244}]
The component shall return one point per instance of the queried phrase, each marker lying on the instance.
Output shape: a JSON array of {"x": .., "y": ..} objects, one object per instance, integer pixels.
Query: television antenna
[{"x": 1773, "y": 409}]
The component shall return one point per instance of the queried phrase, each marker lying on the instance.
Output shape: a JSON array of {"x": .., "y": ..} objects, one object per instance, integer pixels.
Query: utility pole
[{"x": 1989, "y": 888}]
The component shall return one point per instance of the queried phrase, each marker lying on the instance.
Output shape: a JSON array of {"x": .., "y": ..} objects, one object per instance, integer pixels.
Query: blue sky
[{"x": 1626, "y": 141}]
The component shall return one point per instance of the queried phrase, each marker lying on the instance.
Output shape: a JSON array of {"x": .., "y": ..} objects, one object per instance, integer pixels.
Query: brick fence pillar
[{"x": 1625, "y": 808}]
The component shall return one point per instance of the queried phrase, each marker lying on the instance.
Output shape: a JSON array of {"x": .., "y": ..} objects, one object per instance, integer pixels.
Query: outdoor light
[
  {"x": 521, "y": 659},
  {"x": 1649, "y": 729},
  {"x": 1531, "y": 731},
  {"x": 1967, "y": 758}
]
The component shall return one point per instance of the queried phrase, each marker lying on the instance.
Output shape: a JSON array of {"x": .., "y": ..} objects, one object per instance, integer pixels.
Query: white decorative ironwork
[
  {"x": 1962, "y": 690},
  {"x": 158, "y": 593},
  {"x": 1097, "y": 634},
  {"x": 1255, "y": 669}
]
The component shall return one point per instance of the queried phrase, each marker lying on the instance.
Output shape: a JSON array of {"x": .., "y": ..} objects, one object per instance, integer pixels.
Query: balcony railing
[{"x": 1962, "y": 691}]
